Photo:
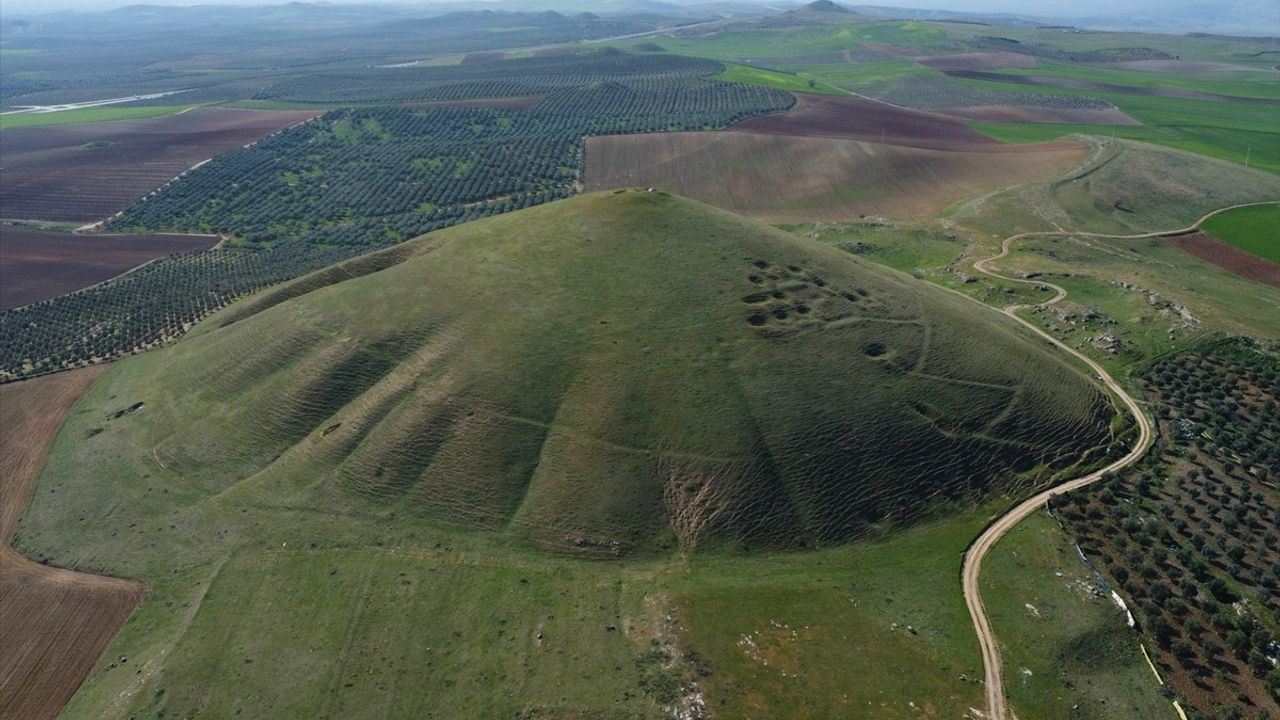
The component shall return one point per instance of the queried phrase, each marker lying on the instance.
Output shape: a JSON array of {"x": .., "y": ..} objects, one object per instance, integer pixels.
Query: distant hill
[
  {"x": 825, "y": 6},
  {"x": 612, "y": 372}
]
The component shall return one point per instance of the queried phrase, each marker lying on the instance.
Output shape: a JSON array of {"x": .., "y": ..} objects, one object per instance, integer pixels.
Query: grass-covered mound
[{"x": 614, "y": 371}]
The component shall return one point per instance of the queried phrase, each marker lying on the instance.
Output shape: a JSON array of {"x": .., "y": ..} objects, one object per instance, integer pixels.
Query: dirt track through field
[
  {"x": 997, "y": 705},
  {"x": 56, "y": 623}
]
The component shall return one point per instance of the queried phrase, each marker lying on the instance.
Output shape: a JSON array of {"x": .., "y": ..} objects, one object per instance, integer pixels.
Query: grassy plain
[
  {"x": 1245, "y": 82},
  {"x": 1068, "y": 651},
  {"x": 1222, "y": 130},
  {"x": 911, "y": 248},
  {"x": 13, "y": 121},
  {"x": 792, "y": 82},
  {"x": 1236, "y": 51}
]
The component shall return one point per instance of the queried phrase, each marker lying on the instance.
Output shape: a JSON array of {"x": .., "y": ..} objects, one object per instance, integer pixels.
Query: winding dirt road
[{"x": 997, "y": 707}]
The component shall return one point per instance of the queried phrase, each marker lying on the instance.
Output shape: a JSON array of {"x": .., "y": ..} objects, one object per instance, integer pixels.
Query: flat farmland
[
  {"x": 37, "y": 265},
  {"x": 779, "y": 178},
  {"x": 860, "y": 118},
  {"x": 57, "y": 622},
  {"x": 978, "y": 61},
  {"x": 1255, "y": 229},
  {"x": 86, "y": 172},
  {"x": 1229, "y": 257},
  {"x": 1024, "y": 114}
]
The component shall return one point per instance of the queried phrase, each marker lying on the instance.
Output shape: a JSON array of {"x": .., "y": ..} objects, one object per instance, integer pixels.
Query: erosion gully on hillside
[{"x": 56, "y": 622}]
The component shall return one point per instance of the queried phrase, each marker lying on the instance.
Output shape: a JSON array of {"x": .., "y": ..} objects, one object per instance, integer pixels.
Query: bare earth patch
[
  {"x": 779, "y": 178},
  {"x": 1229, "y": 257},
  {"x": 87, "y": 172},
  {"x": 57, "y": 623},
  {"x": 859, "y": 118},
  {"x": 38, "y": 264}
]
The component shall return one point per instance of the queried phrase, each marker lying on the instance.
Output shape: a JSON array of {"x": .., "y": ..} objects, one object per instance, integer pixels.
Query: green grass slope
[{"x": 616, "y": 371}]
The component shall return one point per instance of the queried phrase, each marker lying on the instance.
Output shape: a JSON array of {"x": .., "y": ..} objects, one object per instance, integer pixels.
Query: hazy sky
[{"x": 1076, "y": 8}]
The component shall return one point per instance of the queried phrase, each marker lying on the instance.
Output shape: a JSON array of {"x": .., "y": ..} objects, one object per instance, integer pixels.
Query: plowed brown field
[
  {"x": 56, "y": 623},
  {"x": 87, "y": 172},
  {"x": 37, "y": 264},
  {"x": 779, "y": 178},
  {"x": 1228, "y": 257},
  {"x": 859, "y": 118}
]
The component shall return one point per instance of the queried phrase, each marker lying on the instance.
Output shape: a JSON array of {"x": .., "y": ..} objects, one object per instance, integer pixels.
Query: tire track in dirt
[{"x": 997, "y": 704}]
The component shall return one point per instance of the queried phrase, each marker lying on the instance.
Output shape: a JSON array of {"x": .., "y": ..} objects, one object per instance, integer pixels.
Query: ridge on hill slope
[{"x": 615, "y": 371}]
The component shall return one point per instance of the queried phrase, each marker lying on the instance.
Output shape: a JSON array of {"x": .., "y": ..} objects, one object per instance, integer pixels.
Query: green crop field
[
  {"x": 1245, "y": 82},
  {"x": 1236, "y": 51},
  {"x": 798, "y": 82},
  {"x": 1253, "y": 229},
  {"x": 12, "y": 121}
]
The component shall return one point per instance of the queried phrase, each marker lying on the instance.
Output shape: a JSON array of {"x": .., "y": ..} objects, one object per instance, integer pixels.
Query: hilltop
[
  {"x": 615, "y": 371},
  {"x": 825, "y": 6}
]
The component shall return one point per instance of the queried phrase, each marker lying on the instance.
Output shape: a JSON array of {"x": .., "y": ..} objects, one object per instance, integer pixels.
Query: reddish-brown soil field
[
  {"x": 778, "y": 178},
  {"x": 1012, "y": 113},
  {"x": 38, "y": 264},
  {"x": 63, "y": 173},
  {"x": 56, "y": 623},
  {"x": 978, "y": 61},
  {"x": 1105, "y": 87},
  {"x": 859, "y": 118},
  {"x": 1229, "y": 257}
]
